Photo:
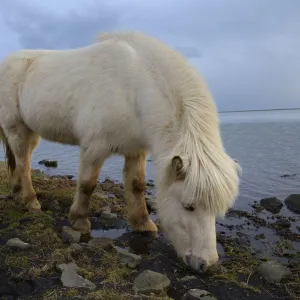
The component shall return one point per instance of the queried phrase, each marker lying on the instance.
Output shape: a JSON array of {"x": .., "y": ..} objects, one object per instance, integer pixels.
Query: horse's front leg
[
  {"x": 87, "y": 181},
  {"x": 134, "y": 187}
]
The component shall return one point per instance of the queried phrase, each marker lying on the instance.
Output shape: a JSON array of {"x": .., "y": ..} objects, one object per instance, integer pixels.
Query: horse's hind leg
[
  {"x": 22, "y": 142},
  {"x": 87, "y": 181},
  {"x": 134, "y": 186}
]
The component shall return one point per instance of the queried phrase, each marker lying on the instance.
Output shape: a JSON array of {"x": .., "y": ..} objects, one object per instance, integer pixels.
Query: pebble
[
  {"x": 130, "y": 259},
  {"x": 101, "y": 195},
  {"x": 17, "y": 243},
  {"x": 71, "y": 279},
  {"x": 101, "y": 242},
  {"x": 111, "y": 220},
  {"x": 70, "y": 235},
  {"x": 273, "y": 271},
  {"x": 111, "y": 195},
  {"x": 108, "y": 215},
  {"x": 188, "y": 278},
  {"x": 196, "y": 294},
  {"x": 151, "y": 281}
]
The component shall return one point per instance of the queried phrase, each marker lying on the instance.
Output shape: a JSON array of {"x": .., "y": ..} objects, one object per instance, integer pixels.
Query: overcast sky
[{"x": 248, "y": 50}]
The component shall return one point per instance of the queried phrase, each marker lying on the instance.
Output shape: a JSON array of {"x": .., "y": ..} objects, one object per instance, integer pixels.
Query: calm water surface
[{"x": 267, "y": 145}]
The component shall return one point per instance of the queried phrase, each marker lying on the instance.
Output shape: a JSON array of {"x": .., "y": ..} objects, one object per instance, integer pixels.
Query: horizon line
[{"x": 248, "y": 110}]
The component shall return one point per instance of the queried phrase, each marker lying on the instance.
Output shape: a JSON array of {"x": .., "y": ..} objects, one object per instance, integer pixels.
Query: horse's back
[{"x": 68, "y": 95}]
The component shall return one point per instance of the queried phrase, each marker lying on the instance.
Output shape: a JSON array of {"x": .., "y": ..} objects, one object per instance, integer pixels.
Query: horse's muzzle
[{"x": 197, "y": 264}]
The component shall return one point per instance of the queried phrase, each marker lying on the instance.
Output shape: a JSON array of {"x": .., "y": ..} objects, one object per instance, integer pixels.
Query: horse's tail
[{"x": 9, "y": 156}]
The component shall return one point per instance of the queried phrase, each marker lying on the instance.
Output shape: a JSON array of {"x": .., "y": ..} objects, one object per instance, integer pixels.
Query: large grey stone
[
  {"x": 71, "y": 279},
  {"x": 293, "y": 203},
  {"x": 271, "y": 204},
  {"x": 151, "y": 281},
  {"x": 273, "y": 271}
]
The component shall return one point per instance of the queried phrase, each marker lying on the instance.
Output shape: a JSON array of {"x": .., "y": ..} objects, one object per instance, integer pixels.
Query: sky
[{"x": 247, "y": 50}]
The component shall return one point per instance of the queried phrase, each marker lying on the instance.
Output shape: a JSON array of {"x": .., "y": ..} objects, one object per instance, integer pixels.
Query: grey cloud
[
  {"x": 248, "y": 50},
  {"x": 38, "y": 28}
]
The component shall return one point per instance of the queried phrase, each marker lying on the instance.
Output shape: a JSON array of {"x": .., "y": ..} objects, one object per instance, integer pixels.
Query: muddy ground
[{"x": 245, "y": 241}]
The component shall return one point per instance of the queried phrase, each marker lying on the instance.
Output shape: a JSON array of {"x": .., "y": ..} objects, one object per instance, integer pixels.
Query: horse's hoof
[
  {"x": 33, "y": 206},
  {"x": 83, "y": 225},
  {"x": 148, "y": 226}
]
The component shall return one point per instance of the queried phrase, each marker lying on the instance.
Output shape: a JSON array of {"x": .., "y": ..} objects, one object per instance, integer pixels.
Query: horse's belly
[{"x": 50, "y": 123}]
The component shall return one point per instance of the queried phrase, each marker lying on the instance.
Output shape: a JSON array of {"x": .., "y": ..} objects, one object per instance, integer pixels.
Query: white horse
[{"x": 125, "y": 94}]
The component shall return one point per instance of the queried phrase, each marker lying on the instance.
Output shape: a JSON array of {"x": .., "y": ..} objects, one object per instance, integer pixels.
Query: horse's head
[{"x": 188, "y": 218}]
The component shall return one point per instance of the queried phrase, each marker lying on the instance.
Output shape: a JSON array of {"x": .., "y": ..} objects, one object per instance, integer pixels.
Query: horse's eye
[{"x": 189, "y": 207}]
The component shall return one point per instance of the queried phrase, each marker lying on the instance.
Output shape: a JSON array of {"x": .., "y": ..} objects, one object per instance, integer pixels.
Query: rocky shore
[{"x": 41, "y": 257}]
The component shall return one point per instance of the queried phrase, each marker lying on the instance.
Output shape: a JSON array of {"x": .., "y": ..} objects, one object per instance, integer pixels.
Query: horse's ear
[
  {"x": 178, "y": 167},
  {"x": 177, "y": 163}
]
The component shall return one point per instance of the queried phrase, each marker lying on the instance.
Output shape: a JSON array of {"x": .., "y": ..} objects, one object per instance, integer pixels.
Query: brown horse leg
[
  {"x": 134, "y": 186},
  {"x": 88, "y": 176}
]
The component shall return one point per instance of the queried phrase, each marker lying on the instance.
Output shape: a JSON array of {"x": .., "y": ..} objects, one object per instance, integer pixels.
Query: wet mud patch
[{"x": 35, "y": 272}]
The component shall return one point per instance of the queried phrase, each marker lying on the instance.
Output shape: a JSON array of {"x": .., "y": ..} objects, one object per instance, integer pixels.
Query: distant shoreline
[{"x": 256, "y": 110}]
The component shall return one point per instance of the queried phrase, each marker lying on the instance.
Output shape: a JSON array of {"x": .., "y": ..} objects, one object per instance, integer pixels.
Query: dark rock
[
  {"x": 63, "y": 176},
  {"x": 70, "y": 235},
  {"x": 51, "y": 164},
  {"x": 42, "y": 162},
  {"x": 48, "y": 163},
  {"x": 271, "y": 204},
  {"x": 293, "y": 203},
  {"x": 284, "y": 223},
  {"x": 101, "y": 242},
  {"x": 287, "y": 175}
]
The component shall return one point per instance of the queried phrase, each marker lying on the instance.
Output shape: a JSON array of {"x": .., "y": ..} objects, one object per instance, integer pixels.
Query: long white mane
[{"x": 211, "y": 175}]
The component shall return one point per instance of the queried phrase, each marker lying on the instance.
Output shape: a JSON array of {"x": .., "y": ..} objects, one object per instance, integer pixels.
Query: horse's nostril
[
  {"x": 203, "y": 267},
  {"x": 196, "y": 263}
]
